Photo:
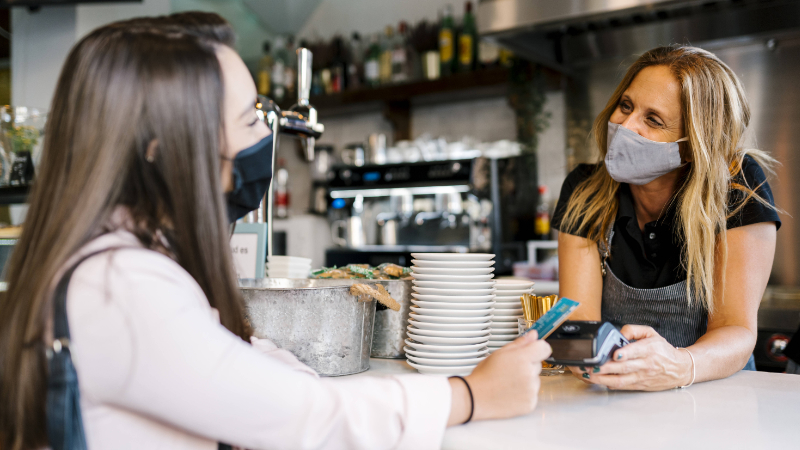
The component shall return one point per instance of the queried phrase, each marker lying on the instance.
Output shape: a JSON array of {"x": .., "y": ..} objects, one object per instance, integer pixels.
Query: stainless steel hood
[{"x": 564, "y": 34}]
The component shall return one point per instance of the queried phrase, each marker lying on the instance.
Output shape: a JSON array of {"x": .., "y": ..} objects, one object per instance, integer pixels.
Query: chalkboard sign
[{"x": 21, "y": 169}]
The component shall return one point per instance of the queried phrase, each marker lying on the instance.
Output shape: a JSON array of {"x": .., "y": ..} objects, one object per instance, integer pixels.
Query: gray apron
[{"x": 667, "y": 309}]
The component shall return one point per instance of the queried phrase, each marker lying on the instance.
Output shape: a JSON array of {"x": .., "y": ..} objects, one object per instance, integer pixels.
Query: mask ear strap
[
  {"x": 684, "y": 139},
  {"x": 150, "y": 153}
]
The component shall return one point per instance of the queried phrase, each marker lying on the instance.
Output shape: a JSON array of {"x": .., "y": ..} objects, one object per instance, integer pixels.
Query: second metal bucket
[{"x": 390, "y": 326}]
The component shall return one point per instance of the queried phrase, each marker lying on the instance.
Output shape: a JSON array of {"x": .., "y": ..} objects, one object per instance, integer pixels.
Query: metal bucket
[
  {"x": 319, "y": 321},
  {"x": 389, "y": 336}
]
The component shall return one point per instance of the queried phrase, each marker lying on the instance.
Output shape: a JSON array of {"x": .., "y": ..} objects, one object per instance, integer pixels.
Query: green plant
[
  {"x": 22, "y": 138},
  {"x": 526, "y": 96}
]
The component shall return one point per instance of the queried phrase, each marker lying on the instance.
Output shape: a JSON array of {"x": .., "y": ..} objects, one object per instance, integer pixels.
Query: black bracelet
[{"x": 471, "y": 398}]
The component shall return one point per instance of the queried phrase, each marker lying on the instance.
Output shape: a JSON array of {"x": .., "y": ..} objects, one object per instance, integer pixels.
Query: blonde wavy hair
[{"x": 716, "y": 114}]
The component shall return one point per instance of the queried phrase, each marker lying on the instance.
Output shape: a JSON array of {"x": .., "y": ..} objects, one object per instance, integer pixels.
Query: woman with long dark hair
[{"x": 128, "y": 227}]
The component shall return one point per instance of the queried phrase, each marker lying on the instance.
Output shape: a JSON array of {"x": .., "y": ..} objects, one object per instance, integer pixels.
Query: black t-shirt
[{"x": 652, "y": 259}]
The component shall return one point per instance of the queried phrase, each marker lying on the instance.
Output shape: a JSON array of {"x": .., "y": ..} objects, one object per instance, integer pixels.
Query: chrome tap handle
[{"x": 304, "y": 58}]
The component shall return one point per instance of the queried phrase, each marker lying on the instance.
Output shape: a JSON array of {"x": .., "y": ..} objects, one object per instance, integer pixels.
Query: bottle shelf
[
  {"x": 406, "y": 91},
  {"x": 394, "y": 100}
]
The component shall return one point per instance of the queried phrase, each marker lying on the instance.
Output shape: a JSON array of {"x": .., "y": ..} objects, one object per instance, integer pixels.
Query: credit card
[{"x": 553, "y": 319}]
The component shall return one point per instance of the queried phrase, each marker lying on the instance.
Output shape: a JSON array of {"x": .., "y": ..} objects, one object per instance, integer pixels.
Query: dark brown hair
[
  {"x": 120, "y": 89},
  {"x": 205, "y": 25}
]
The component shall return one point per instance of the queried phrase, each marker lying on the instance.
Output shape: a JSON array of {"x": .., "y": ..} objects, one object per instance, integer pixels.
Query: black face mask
[{"x": 252, "y": 173}]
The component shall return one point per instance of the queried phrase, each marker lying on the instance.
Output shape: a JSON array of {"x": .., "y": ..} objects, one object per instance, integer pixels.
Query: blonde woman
[{"x": 672, "y": 235}]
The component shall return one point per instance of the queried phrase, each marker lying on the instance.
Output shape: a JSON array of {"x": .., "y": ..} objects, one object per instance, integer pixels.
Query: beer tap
[{"x": 300, "y": 121}]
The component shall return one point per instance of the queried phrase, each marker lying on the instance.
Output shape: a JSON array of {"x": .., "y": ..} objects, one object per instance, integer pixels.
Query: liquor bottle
[
  {"x": 400, "y": 55},
  {"x": 488, "y": 53},
  {"x": 506, "y": 57},
  {"x": 387, "y": 48},
  {"x": 316, "y": 84},
  {"x": 372, "y": 74},
  {"x": 264, "y": 69},
  {"x": 278, "y": 79},
  {"x": 542, "y": 222},
  {"x": 467, "y": 41},
  {"x": 281, "y": 200},
  {"x": 355, "y": 62},
  {"x": 338, "y": 65},
  {"x": 446, "y": 43},
  {"x": 290, "y": 70}
]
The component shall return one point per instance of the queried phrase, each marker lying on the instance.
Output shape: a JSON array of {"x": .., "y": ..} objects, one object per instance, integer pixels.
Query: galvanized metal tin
[
  {"x": 389, "y": 336},
  {"x": 319, "y": 321}
]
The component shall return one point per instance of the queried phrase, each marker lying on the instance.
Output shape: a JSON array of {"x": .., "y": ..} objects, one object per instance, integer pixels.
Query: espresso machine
[{"x": 383, "y": 213}]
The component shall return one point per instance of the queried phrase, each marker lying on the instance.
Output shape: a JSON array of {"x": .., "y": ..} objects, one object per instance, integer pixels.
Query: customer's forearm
[{"x": 722, "y": 352}]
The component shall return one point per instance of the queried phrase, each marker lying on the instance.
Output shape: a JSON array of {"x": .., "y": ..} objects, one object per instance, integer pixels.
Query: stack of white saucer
[
  {"x": 508, "y": 309},
  {"x": 288, "y": 267},
  {"x": 448, "y": 327}
]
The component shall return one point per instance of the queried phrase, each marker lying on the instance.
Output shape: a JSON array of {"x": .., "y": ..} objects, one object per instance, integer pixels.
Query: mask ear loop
[
  {"x": 150, "y": 153},
  {"x": 683, "y": 139}
]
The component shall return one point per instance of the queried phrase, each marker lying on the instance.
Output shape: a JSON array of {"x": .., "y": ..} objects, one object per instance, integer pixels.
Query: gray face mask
[{"x": 634, "y": 159}]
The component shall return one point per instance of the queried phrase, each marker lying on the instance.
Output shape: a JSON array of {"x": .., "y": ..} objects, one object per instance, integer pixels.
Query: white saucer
[
  {"x": 444, "y": 362},
  {"x": 483, "y": 313},
  {"x": 485, "y": 320},
  {"x": 509, "y": 319},
  {"x": 508, "y": 312},
  {"x": 448, "y": 340},
  {"x": 514, "y": 284},
  {"x": 505, "y": 332},
  {"x": 452, "y": 278},
  {"x": 454, "y": 285},
  {"x": 442, "y": 355},
  {"x": 496, "y": 344},
  {"x": 451, "y": 292},
  {"x": 505, "y": 325},
  {"x": 514, "y": 292},
  {"x": 448, "y": 326},
  {"x": 452, "y": 256},
  {"x": 453, "y": 298},
  {"x": 485, "y": 306},
  {"x": 440, "y": 370},
  {"x": 452, "y": 272},
  {"x": 452, "y": 264},
  {"x": 446, "y": 348},
  {"x": 506, "y": 305},
  {"x": 502, "y": 337},
  {"x": 449, "y": 333},
  {"x": 501, "y": 297}
]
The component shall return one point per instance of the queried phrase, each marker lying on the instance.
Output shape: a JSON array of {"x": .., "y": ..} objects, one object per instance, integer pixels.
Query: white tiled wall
[
  {"x": 552, "y": 144},
  {"x": 345, "y": 129},
  {"x": 486, "y": 119}
]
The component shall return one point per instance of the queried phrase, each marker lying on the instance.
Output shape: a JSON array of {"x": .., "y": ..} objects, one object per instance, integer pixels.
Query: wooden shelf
[
  {"x": 405, "y": 91},
  {"x": 394, "y": 100}
]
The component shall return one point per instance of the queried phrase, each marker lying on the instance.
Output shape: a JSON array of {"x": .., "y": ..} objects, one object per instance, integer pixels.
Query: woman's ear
[{"x": 150, "y": 154}]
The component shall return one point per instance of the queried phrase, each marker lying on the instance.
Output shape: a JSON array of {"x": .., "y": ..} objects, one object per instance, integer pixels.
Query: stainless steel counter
[{"x": 749, "y": 410}]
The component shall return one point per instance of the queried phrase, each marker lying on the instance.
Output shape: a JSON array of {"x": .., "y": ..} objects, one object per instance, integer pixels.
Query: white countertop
[{"x": 749, "y": 410}]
